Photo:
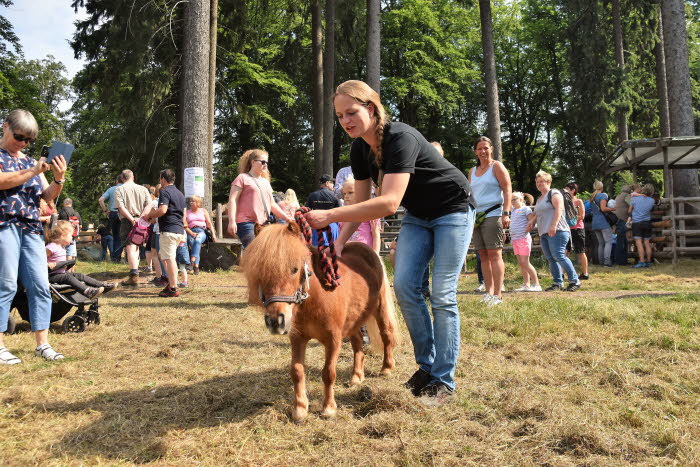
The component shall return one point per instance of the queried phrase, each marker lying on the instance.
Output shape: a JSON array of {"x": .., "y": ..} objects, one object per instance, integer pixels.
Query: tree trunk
[
  {"x": 329, "y": 89},
  {"x": 373, "y": 43},
  {"x": 492, "y": 112},
  {"x": 661, "y": 86},
  {"x": 195, "y": 89},
  {"x": 620, "y": 59},
  {"x": 680, "y": 101},
  {"x": 213, "y": 25},
  {"x": 317, "y": 81}
]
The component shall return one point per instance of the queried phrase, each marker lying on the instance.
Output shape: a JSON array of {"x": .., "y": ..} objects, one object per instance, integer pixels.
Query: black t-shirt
[
  {"x": 435, "y": 188},
  {"x": 322, "y": 199},
  {"x": 66, "y": 212},
  {"x": 171, "y": 221}
]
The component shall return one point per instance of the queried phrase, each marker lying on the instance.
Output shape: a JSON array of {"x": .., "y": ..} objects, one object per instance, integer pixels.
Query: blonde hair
[
  {"x": 348, "y": 181},
  {"x": 365, "y": 95},
  {"x": 197, "y": 200},
  {"x": 61, "y": 228},
  {"x": 544, "y": 176},
  {"x": 245, "y": 163},
  {"x": 648, "y": 189},
  {"x": 519, "y": 195},
  {"x": 598, "y": 185},
  {"x": 290, "y": 197}
]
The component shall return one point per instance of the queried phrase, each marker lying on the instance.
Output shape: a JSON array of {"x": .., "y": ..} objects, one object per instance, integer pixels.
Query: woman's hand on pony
[{"x": 318, "y": 218}]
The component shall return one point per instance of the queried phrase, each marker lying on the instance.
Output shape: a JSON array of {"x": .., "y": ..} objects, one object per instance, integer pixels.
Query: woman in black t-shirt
[{"x": 438, "y": 225}]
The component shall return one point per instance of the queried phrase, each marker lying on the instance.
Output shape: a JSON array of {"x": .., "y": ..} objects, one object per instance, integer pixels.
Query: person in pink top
[
  {"x": 368, "y": 231},
  {"x": 250, "y": 200},
  {"x": 197, "y": 221},
  {"x": 578, "y": 234}
]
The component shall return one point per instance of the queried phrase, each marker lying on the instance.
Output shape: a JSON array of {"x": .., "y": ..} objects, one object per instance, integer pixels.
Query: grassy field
[{"x": 605, "y": 376}]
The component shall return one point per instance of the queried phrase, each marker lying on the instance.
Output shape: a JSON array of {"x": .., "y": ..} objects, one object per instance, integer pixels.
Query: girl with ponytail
[{"x": 437, "y": 226}]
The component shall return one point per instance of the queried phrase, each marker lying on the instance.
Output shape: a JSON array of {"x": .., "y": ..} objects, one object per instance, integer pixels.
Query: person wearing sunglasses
[
  {"x": 22, "y": 253},
  {"x": 250, "y": 200}
]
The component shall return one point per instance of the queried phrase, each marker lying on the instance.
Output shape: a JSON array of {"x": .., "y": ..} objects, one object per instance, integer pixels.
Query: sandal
[
  {"x": 6, "y": 358},
  {"x": 47, "y": 353}
]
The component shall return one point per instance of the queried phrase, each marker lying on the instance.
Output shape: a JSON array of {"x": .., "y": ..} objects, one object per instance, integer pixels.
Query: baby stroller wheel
[
  {"x": 10, "y": 325},
  {"x": 74, "y": 323},
  {"x": 93, "y": 317}
]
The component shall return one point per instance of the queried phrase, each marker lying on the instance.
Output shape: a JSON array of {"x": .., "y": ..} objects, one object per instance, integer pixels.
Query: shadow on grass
[{"x": 132, "y": 423}]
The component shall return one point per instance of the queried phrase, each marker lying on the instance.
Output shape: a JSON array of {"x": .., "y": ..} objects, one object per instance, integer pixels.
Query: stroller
[{"x": 64, "y": 298}]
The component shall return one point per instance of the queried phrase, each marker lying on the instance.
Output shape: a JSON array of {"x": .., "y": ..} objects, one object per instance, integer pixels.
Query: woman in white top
[{"x": 491, "y": 187}]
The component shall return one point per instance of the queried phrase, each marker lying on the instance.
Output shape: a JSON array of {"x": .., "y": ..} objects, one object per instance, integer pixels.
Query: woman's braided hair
[{"x": 365, "y": 95}]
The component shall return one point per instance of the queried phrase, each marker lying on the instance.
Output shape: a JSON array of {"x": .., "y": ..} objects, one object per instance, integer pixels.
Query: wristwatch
[
  {"x": 60, "y": 182},
  {"x": 506, "y": 213}
]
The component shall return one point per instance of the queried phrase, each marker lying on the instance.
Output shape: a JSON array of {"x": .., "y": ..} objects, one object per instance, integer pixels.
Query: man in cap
[{"x": 324, "y": 198}]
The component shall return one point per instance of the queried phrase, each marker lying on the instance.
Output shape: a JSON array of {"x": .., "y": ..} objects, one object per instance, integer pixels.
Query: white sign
[{"x": 194, "y": 181}]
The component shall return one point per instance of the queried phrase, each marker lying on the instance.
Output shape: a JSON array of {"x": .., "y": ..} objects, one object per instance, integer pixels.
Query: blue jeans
[
  {"x": 195, "y": 243},
  {"x": 107, "y": 245},
  {"x": 621, "y": 245},
  {"x": 182, "y": 255},
  {"x": 554, "y": 249},
  {"x": 245, "y": 232},
  {"x": 22, "y": 255},
  {"x": 117, "y": 248},
  {"x": 445, "y": 239}
]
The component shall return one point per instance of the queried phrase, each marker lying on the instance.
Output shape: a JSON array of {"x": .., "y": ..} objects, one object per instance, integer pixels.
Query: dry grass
[{"x": 591, "y": 378}]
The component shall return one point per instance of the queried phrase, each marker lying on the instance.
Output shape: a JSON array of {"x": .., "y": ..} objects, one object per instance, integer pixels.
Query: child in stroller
[{"x": 59, "y": 237}]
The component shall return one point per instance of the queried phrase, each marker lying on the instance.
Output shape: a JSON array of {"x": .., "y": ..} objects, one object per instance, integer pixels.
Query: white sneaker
[
  {"x": 524, "y": 288},
  {"x": 503, "y": 288},
  {"x": 481, "y": 288},
  {"x": 486, "y": 298},
  {"x": 494, "y": 301},
  {"x": 535, "y": 288}
]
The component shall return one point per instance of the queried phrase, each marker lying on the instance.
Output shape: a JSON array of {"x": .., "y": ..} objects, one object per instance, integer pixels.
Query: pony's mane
[{"x": 272, "y": 255}]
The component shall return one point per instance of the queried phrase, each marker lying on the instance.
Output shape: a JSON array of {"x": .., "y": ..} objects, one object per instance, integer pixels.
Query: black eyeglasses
[
  {"x": 22, "y": 138},
  {"x": 262, "y": 161}
]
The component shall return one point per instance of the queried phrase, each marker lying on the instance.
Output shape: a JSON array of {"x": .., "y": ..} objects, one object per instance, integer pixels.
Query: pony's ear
[
  {"x": 293, "y": 227},
  {"x": 257, "y": 228}
]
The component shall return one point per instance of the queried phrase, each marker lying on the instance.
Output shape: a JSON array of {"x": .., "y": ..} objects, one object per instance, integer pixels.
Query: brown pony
[{"x": 282, "y": 274}]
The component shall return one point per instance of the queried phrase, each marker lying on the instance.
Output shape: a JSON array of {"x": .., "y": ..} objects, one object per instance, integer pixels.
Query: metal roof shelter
[{"x": 682, "y": 152}]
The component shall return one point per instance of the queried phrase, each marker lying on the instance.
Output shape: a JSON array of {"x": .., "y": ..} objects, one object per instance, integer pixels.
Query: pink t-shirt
[
  {"x": 196, "y": 219},
  {"x": 364, "y": 233},
  {"x": 249, "y": 207},
  {"x": 56, "y": 254}
]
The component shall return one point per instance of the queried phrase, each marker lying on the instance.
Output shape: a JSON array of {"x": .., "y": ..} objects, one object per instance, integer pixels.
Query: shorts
[
  {"x": 578, "y": 238},
  {"x": 489, "y": 235},
  {"x": 72, "y": 250},
  {"x": 522, "y": 246},
  {"x": 641, "y": 230},
  {"x": 168, "y": 244}
]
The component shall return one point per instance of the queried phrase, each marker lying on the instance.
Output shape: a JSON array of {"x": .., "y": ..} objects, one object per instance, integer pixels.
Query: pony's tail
[{"x": 375, "y": 337}]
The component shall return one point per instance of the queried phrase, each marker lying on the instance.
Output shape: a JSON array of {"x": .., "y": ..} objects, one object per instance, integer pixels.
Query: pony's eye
[{"x": 295, "y": 270}]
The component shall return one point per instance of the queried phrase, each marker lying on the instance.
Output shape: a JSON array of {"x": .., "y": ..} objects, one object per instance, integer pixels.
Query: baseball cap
[{"x": 326, "y": 178}]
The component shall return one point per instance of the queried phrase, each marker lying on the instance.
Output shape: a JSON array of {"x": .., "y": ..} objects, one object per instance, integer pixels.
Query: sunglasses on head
[
  {"x": 262, "y": 161},
  {"x": 22, "y": 138}
]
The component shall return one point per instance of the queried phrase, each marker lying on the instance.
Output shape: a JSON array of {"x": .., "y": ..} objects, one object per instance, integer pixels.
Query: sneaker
[
  {"x": 583, "y": 277},
  {"x": 93, "y": 292},
  {"x": 6, "y": 358},
  {"x": 481, "y": 288},
  {"x": 182, "y": 285},
  {"x": 639, "y": 265},
  {"x": 195, "y": 269},
  {"x": 148, "y": 270},
  {"x": 47, "y": 353},
  {"x": 648, "y": 265},
  {"x": 109, "y": 286},
  {"x": 495, "y": 300},
  {"x": 486, "y": 298},
  {"x": 418, "y": 381},
  {"x": 523, "y": 288},
  {"x": 554, "y": 288},
  {"x": 573, "y": 286},
  {"x": 503, "y": 288},
  {"x": 535, "y": 288},
  {"x": 189, "y": 268},
  {"x": 160, "y": 281},
  {"x": 436, "y": 395},
  {"x": 168, "y": 292}
]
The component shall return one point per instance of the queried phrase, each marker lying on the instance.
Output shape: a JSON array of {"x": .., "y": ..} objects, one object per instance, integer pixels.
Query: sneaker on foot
[
  {"x": 523, "y": 288},
  {"x": 47, "y": 353},
  {"x": 573, "y": 286},
  {"x": 648, "y": 265},
  {"x": 109, "y": 286},
  {"x": 418, "y": 381},
  {"x": 6, "y": 358},
  {"x": 160, "y": 281},
  {"x": 182, "y": 285},
  {"x": 436, "y": 395},
  {"x": 481, "y": 288},
  {"x": 486, "y": 298},
  {"x": 93, "y": 292},
  {"x": 583, "y": 277},
  {"x": 168, "y": 292},
  {"x": 639, "y": 265},
  {"x": 495, "y": 300},
  {"x": 535, "y": 288},
  {"x": 553, "y": 288},
  {"x": 195, "y": 269}
]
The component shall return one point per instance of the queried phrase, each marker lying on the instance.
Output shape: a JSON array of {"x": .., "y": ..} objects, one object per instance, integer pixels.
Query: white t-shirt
[{"x": 518, "y": 222}]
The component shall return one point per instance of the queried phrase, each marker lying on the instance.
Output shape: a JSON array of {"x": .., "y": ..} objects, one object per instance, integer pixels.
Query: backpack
[
  {"x": 570, "y": 212},
  {"x": 76, "y": 225},
  {"x": 139, "y": 233}
]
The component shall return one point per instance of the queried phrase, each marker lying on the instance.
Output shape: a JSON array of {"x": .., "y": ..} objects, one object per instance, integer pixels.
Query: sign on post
[{"x": 194, "y": 181}]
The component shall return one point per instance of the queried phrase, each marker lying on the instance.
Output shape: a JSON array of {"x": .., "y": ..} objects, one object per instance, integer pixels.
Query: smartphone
[{"x": 45, "y": 151}]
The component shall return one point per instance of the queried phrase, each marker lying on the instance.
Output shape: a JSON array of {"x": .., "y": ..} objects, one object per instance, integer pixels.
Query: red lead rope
[{"x": 329, "y": 265}]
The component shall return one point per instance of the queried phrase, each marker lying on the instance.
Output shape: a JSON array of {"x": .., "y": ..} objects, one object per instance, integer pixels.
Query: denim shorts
[{"x": 641, "y": 230}]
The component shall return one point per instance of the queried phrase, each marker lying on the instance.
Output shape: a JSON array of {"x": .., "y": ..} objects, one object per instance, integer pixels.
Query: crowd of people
[{"x": 391, "y": 165}]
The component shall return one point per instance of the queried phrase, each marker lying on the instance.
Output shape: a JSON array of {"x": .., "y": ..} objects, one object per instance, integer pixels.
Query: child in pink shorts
[{"x": 522, "y": 243}]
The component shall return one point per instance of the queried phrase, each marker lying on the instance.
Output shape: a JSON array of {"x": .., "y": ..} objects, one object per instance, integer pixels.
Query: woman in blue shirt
[
  {"x": 600, "y": 225},
  {"x": 640, "y": 214},
  {"x": 22, "y": 253}
]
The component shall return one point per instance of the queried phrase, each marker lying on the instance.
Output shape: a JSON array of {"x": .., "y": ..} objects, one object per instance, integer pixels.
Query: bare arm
[
  {"x": 580, "y": 210},
  {"x": 503, "y": 177},
  {"x": 101, "y": 201},
  {"x": 376, "y": 238},
  {"x": 58, "y": 167},
  {"x": 232, "y": 200},
  {"x": 558, "y": 205},
  {"x": 12, "y": 179}
]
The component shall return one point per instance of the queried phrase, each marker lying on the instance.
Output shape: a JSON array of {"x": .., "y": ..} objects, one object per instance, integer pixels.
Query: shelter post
[{"x": 668, "y": 176}]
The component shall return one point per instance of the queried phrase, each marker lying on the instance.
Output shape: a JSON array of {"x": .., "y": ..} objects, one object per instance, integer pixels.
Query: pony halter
[
  {"x": 329, "y": 265},
  {"x": 299, "y": 296}
]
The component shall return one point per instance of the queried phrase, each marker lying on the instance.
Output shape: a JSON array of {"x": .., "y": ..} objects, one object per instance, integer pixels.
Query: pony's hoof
[
  {"x": 299, "y": 415},
  {"x": 385, "y": 372},
  {"x": 356, "y": 380},
  {"x": 329, "y": 412}
]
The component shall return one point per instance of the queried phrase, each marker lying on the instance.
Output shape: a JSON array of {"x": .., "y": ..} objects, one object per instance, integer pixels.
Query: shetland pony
[{"x": 283, "y": 277}]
